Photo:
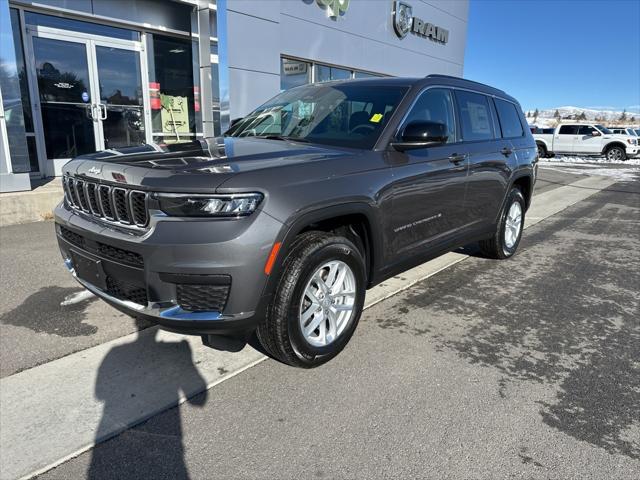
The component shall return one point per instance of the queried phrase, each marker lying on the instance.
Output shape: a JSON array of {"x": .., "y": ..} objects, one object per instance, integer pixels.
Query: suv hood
[{"x": 199, "y": 166}]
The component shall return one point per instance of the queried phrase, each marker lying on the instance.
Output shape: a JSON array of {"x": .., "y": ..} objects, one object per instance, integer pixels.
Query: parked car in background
[
  {"x": 586, "y": 139},
  {"x": 625, "y": 131},
  {"x": 280, "y": 227}
]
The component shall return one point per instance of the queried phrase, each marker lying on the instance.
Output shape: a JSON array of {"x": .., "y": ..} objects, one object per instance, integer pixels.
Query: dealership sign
[
  {"x": 404, "y": 22},
  {"x": 335, "y": 8}
]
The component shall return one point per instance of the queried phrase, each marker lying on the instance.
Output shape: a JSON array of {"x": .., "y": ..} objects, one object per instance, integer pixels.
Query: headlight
[
  {"x": 237, "y": 205},
  {"x": 632, "y": 141}
]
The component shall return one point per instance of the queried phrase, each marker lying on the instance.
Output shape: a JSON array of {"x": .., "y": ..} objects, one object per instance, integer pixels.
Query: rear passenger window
[
  {"x": 509, "y": 119},
  {"x": 568, "y": 130},
  {"x": 475, "y": 117},
  {"x": 435, "y": 105}
]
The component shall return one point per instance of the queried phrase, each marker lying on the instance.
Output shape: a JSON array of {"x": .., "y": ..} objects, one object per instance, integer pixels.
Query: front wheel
[
  {"x": 616, "y": 154},
  {"x": 317, "y": 303},
  {"x": 505, "y": 241}
]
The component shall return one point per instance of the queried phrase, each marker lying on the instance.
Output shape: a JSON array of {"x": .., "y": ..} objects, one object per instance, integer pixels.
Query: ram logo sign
[
  {"x": 404, "y": 22},
  {"x": 335, "y": 8}
]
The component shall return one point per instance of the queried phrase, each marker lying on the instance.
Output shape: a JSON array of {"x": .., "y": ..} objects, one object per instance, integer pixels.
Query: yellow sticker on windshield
[{"x": 376, "y": 118}]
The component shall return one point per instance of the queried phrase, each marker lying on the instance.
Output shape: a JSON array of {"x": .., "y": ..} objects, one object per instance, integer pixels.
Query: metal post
[{"x": 204, "y": 57}]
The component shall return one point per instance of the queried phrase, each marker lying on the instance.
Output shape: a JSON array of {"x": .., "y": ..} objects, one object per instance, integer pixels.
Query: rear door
[
  {"x": 488, "y": 156},
  {"x": 429, "y": 185},
  {"x": 564, "y": 138}
]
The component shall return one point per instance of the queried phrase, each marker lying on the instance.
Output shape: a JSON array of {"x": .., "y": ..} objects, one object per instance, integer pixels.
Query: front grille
[
  {"x": 120, "y": 255},
  {"x": 119, "y": 205},
  {"x": 72, "y": 237},
  {"x": 126, "y": 291},
  {"x": 202, "y": 298}
]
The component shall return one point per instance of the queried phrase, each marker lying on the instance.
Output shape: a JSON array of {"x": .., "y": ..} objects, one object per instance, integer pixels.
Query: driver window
[
  {"x": 586, "y": 130},
  {"x": 435, "y": 105}
]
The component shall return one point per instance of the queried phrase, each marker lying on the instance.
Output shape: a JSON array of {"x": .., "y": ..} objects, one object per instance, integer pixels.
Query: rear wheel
[
  {"x": 505, "y": 241},
  {"x": 616, "y": 154},
  {"x": 318, "y": 301},
  {"x": 542, "y": 151}
]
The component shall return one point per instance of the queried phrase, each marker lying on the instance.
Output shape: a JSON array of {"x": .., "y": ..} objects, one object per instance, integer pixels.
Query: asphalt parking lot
[{"x": 526, "y": 368}]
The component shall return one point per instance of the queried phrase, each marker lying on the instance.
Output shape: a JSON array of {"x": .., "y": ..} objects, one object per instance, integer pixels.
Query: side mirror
[
  {"x": 421, "y": 134},
  {"x": 595, "y": 133}
]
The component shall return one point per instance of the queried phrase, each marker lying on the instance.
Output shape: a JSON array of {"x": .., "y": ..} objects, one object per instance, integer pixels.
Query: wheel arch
[
  {"x": 354, "y": 218},
  {"x": 615, "y": 143}
]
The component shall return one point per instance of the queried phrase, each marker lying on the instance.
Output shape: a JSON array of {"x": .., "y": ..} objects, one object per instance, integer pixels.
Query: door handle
[
  {"x": 103, "y": 111},
  {"x": 506, "y": 151},
  {"x": 455, "y": 158}
]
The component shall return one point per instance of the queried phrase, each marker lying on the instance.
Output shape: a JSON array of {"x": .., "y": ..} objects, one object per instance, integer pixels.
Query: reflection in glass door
[
  {"x": 121, "y": 107},
  {"x": 91, "y": 94},
  {"x": 62, "y": 73}
]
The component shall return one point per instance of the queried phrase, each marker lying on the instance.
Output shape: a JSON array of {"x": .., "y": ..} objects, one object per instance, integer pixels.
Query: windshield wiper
[{"x": 283, "y": 138}]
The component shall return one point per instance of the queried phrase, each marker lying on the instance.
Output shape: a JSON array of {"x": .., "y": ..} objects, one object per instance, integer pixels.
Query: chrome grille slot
[
  {"x": 104, "y": 195},
  {"x": 121, "y": 204},
  {"x": 82, "y": 197},
  {"x": 116, "y": 205},
  {"x": 92, "y": 198},
  {"x": 138, "y": 204}
]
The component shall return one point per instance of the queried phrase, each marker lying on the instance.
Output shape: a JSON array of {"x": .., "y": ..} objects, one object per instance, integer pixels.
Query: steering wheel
[{"x": 365, "y": 129}]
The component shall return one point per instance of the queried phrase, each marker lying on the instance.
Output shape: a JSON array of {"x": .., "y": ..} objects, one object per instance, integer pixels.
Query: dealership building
[{"x": 77, "y": 76}]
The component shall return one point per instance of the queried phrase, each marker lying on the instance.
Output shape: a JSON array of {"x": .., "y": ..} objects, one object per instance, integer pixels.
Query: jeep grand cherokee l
[{"x": 321, "y": 193}]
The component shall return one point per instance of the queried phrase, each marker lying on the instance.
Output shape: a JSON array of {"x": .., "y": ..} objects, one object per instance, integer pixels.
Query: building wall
[{"x": 260, "y": 32}]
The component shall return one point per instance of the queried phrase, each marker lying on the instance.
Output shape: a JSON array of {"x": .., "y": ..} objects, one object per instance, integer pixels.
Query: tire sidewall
[
  {"x": 622, "y": 153},
  {"x": 515, "y": 195},
  {"x": 342, "y": 250}
]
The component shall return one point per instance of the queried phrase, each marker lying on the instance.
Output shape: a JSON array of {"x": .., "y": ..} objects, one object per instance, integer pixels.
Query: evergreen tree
[
  {"x": 623, "y": 117},
  {"x": 556, "y": 114},
  {"x": 535, "y": 115}
]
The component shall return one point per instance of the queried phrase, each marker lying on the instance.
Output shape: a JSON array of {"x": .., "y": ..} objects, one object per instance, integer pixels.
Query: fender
[
  {"x": 295, "y": 225},
  {"x": 517, "y": 176},
  {"x": 543, "y": 142},
  {"x": 612, "y": 143}
]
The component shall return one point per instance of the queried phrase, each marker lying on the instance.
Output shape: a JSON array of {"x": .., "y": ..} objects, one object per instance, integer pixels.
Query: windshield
[
  {"x": 344, "y": 115},
  {"x": 637, "y": 132},
  {"x": 604, "y": 130}
]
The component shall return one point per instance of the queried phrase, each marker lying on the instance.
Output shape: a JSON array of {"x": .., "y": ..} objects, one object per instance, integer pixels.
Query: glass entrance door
[{"x": 90, "y": 92}]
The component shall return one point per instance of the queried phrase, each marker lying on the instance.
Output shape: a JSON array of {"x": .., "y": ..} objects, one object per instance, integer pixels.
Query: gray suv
[{"x": 281, "y": 226}]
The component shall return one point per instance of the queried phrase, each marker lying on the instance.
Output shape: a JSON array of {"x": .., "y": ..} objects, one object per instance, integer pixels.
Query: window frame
[
  {"x": 577, "y": 127},
  {"x": 456, "y": 120},
  {"x": 522, "y": 128},
  {"x": 494, "y": 137}
]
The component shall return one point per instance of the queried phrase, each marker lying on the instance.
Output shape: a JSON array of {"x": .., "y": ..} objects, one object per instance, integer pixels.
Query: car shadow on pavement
[{"x": 154, "y": 448}]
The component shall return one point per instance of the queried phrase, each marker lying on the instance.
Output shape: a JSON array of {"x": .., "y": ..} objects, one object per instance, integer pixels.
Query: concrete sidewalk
[
  {"x": 31, "y": 206},
  {"x": 50, "y": 413}
]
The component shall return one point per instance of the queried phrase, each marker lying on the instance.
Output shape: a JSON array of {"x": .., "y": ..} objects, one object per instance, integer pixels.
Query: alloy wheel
[{"x": 327, "y": 303}]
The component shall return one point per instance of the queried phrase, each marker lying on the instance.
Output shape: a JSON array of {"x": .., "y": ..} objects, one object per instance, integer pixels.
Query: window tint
[
  {"x": 509, "y": 119},
  {"x": 568, "y": 130},
  {"x": 435, "y": 105},
  {"x": 586, "y": 130},
  {"x": 474, "y": 116}
]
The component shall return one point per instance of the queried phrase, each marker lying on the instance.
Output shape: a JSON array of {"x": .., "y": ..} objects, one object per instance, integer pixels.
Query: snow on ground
[
  {"x": 595, "y": 160},
  {"x": 594, "y": 166}
]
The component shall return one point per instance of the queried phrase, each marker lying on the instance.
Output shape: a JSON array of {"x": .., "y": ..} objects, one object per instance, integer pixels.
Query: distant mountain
[{"x": 547, "y": 116}]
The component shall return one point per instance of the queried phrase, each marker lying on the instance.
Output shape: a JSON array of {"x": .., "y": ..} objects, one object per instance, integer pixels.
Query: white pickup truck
[{"x": 586, "y": 139}]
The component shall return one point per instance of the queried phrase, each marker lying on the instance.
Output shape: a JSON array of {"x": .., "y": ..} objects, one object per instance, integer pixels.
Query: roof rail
[{"x": 439, "y": 75}]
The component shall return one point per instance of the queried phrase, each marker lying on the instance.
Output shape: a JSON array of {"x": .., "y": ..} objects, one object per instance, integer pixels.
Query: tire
[
  {"x": 542, "y": 151},
  {"x": 505, "y": 241},
  {"x": 281, "y": 332},
  {"x": 616, "y": 153}
]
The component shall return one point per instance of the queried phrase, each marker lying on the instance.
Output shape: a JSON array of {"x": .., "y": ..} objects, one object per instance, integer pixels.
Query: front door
[
  {"x": 589, "y": 140},
  {"x": 429, "y": 190},
  {"x": 89, "y": 93}
]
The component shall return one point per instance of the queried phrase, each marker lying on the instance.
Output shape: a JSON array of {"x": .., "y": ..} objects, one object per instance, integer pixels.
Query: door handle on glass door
[{"x": 103, "y": 111}]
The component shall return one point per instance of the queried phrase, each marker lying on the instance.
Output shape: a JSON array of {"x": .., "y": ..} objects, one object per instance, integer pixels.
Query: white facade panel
[
  {"x": 361, "y": 38},
  {"x": 249, "y": 89}
]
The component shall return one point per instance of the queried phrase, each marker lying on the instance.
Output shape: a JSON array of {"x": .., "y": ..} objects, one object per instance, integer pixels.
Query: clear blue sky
[{"x": 557, "y": 53}]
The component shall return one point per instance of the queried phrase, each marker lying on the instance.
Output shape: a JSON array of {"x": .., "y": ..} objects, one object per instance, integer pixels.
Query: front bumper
[{"x": 144, "y": 274}]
